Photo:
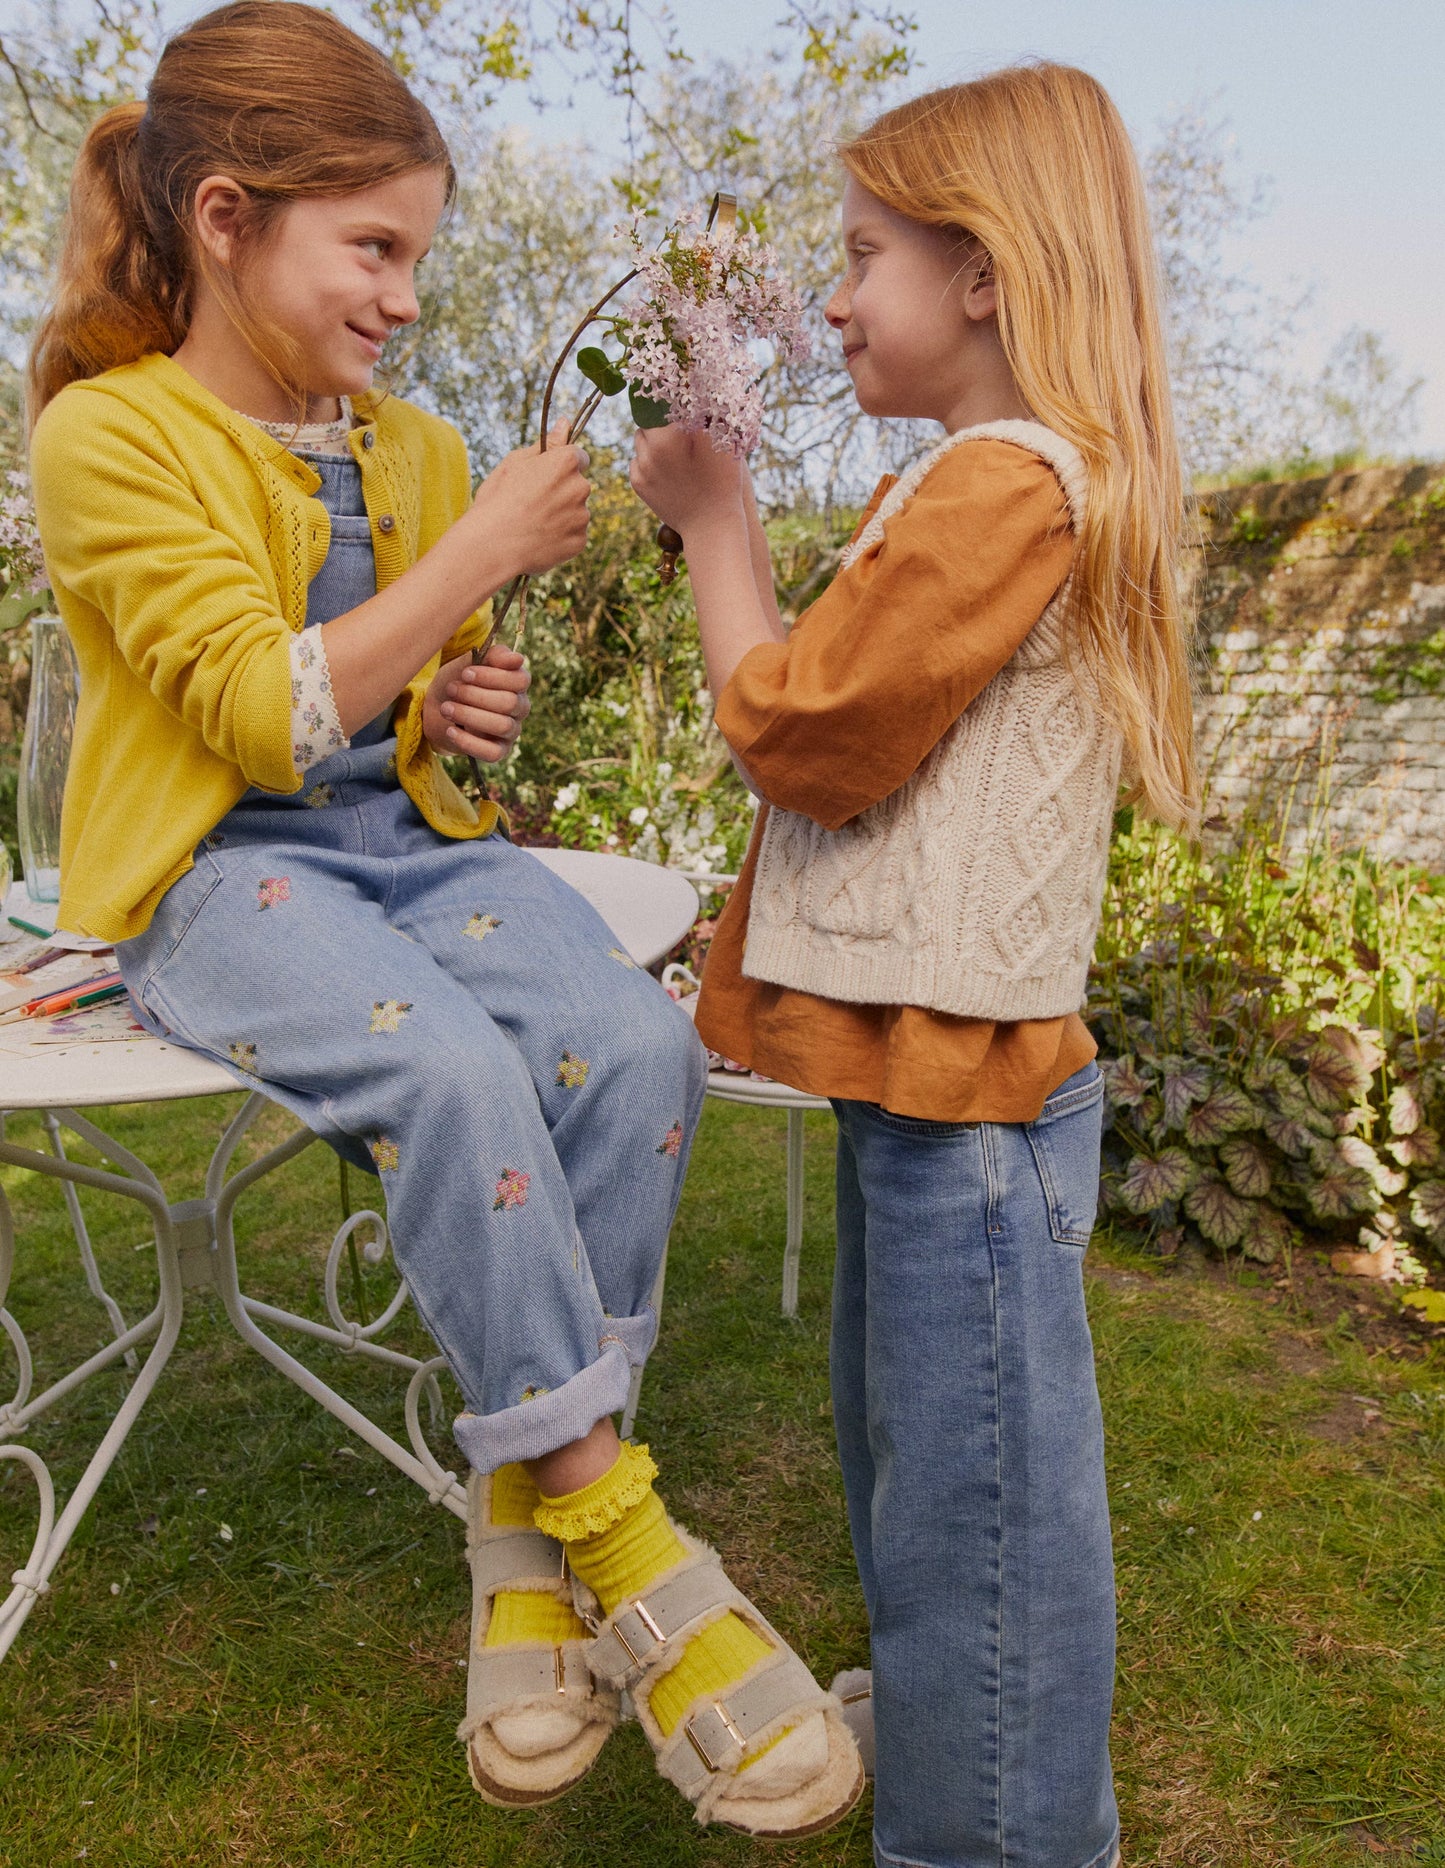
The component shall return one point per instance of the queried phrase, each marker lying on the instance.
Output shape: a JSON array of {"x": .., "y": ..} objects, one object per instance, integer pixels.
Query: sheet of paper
[{"x": 99, "y": 1024}]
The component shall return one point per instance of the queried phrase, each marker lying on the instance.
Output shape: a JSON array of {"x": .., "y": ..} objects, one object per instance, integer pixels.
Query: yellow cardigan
[{"x": 180, "y": 540}]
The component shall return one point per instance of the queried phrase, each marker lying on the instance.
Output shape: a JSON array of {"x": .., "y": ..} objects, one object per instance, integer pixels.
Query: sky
[{"x": 1338, "y": 105}]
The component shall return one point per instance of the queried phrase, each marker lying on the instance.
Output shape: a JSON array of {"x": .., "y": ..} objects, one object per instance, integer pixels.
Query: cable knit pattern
[{"x": 975, "y": 888}]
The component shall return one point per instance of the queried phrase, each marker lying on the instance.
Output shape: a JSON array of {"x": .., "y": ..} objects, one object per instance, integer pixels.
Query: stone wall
[{"x": 1322, "y": 633}]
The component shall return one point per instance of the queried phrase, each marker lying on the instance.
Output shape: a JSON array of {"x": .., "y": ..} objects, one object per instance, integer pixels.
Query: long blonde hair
[
  {"x": 1036, "y": 164},
  {"x": 279, "y": 96}
]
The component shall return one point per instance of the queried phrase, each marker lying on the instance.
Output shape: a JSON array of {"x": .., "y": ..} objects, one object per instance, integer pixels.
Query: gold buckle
[
  {"x": 697, "y": 1745},
  {"x": 639, "y": 1609},
  {"x": 559, "y": 1669},
  {"x": 732, "y": 1731}
]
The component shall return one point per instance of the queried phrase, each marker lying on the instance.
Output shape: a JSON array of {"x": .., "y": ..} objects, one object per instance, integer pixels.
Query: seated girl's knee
[{"x": 658, "y": 1040}]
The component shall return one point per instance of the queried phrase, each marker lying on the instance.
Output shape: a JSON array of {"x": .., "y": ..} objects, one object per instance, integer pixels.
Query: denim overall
[{"x": 452, "y": 1016}]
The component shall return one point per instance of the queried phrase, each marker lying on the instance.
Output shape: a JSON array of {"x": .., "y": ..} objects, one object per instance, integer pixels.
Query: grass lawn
[{"x": 287, "y": 1693}]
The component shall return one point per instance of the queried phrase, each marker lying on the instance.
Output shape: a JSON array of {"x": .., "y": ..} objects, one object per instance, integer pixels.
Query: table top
[{"x": 648, "y": 908}]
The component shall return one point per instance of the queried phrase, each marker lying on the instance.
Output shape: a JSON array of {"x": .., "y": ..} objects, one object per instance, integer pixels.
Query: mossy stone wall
[{"x": 1322, "y": 637}]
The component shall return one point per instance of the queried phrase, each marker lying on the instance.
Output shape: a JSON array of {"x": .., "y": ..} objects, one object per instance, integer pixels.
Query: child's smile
[
  {"x": 916, "y": 316},
  {"x": 339, "y": 275},
  {"x": 335, "y": 276}
]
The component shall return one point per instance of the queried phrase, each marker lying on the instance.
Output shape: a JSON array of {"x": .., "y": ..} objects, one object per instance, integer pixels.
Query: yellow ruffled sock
[
  {"x": 526, "y": 1615},
  {"x": 618, "y": 1541}
]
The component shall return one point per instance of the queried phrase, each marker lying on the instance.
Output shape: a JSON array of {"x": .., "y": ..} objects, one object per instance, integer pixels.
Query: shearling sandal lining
[
  {"x": 776, "y": 1699},
  {"x": 521, "y": 1690}
]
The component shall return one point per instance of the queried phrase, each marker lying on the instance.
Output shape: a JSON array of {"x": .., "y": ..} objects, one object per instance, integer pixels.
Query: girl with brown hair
[
  {"x": 939, "y": 745},
  {"x": 274, "y": 577}
]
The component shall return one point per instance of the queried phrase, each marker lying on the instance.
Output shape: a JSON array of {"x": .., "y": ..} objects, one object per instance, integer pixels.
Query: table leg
[
  {"x": 54, "y": 1534},
  {"x": 793, "y": 1248},
  {"x": 195, "y": 1246},
  {"x": 82, "y": 1239}
]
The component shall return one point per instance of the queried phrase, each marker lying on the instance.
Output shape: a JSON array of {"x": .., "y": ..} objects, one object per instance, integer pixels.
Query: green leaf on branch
[
  {"x": 1246, "y": 1167},
  {"x": 598, "y": 368},
  {"x": 1339, "y": 1067},
  {"x": 1221, "y": 1216},
  {"x": 1222, "y": 1111},
  {"x": 1183, "y": 1085},
  {"x": 1405, "y": 1116},
  {"x": 1148, "y": 1184},
  {"x": 1125, "y": 1085},
  {"x": 1421, "y": 1149},
  {"x": 1266, "y": 1233},
  {"x": 1427, "y": 1209},
  {"x": 1341, "y": 1191},
  {"x": 647, "y": 412}
]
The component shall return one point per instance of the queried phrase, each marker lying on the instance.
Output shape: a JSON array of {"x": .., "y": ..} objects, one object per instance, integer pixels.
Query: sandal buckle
[
  {"x": 640, "y": 1610},
  {"x": 697, "y": 1745},
  {"x": 729, "y": 1726}
]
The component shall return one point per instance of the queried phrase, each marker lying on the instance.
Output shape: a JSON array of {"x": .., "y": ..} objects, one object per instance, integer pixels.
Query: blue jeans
[
  {"x": 454, "y": 1016},
  {"x": 973, "y": 1458}
]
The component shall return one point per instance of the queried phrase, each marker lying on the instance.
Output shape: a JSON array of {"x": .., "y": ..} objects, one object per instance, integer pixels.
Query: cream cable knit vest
[{"x": 975, "y": 888}]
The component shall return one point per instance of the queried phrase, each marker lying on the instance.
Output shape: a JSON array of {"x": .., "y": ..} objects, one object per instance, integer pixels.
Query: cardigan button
[
  {"x": 368, "y": 439},
  {"x": 386, "y": 523}
]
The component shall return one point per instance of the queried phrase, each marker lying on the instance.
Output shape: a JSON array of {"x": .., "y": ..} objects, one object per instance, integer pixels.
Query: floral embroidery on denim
[
  {"x": 532, "y": 1393},
  {"x": 572, "y": 1071},
  {"x": 320, "y": 796},
  {"x": 511, "y": 1189},
  {"x": 388, "y": 771},
  {"x": 622, "y": 959},
  {"x": 385, "y": 1154},
  {"x": 243, "y": 1056},
  {"x": 273, "y": 891},
  {"x": 387, "y": 1014},
  {"x": 480, "y": 926},
  {"x": 671, "y": 1143}
]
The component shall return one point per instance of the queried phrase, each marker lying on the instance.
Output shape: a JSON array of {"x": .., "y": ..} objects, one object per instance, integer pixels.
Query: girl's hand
[
  {"x": 537, "y": 503},
  {"x": 478, "y": 707},
  {"x": 684, "y": 479}
]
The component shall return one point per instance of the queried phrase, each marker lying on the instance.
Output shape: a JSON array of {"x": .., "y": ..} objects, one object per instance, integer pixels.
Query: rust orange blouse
[{"x": 837, "y": 717}]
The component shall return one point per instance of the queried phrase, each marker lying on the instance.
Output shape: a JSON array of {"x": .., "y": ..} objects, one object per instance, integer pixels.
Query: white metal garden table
[{"x": 649, "y": 909}]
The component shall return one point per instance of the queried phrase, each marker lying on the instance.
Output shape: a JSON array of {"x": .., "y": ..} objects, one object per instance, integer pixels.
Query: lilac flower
[
  {"x": 21, "y": 564},
  {"x": 704, "y": 299}
]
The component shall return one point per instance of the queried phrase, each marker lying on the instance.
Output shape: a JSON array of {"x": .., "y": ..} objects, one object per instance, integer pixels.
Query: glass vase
[{"x": 45, "y": 754}]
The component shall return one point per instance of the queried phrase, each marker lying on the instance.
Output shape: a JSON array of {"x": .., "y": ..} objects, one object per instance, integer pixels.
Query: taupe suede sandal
[
  {"x": 853, "y": 1689},
  {"x": 804, "y": 1783},
  {"x": 536, "y": 1718}
]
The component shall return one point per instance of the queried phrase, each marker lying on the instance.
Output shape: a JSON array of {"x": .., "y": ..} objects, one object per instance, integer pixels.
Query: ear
[
  {"x": 216, "y": 216},
  {"x": 980, "y": 301}
]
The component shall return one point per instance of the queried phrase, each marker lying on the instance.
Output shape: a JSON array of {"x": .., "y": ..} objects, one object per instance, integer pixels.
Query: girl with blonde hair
[
  {"x": 274, "y": 575},
  {"x": 939, "y": 744}
]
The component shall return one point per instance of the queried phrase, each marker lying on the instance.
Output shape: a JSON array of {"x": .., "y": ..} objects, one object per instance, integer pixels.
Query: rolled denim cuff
[
  {"x": 636, "y": 1334},
  {"x": 557, "y": 1418}
]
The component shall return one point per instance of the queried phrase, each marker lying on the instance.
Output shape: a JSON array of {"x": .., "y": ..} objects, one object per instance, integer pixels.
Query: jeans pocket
[
  {"x": 146, "y": 958},
  {"x": 1064, "y": 1142}
]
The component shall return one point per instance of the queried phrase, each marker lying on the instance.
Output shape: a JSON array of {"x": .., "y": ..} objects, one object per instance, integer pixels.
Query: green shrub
[{"x": 1271, "y": 1039}]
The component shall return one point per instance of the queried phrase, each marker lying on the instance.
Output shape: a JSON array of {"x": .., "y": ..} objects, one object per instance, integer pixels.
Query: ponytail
[
  {"x": 117, "y": 294},
  {"x": 234, "y": 93}
]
